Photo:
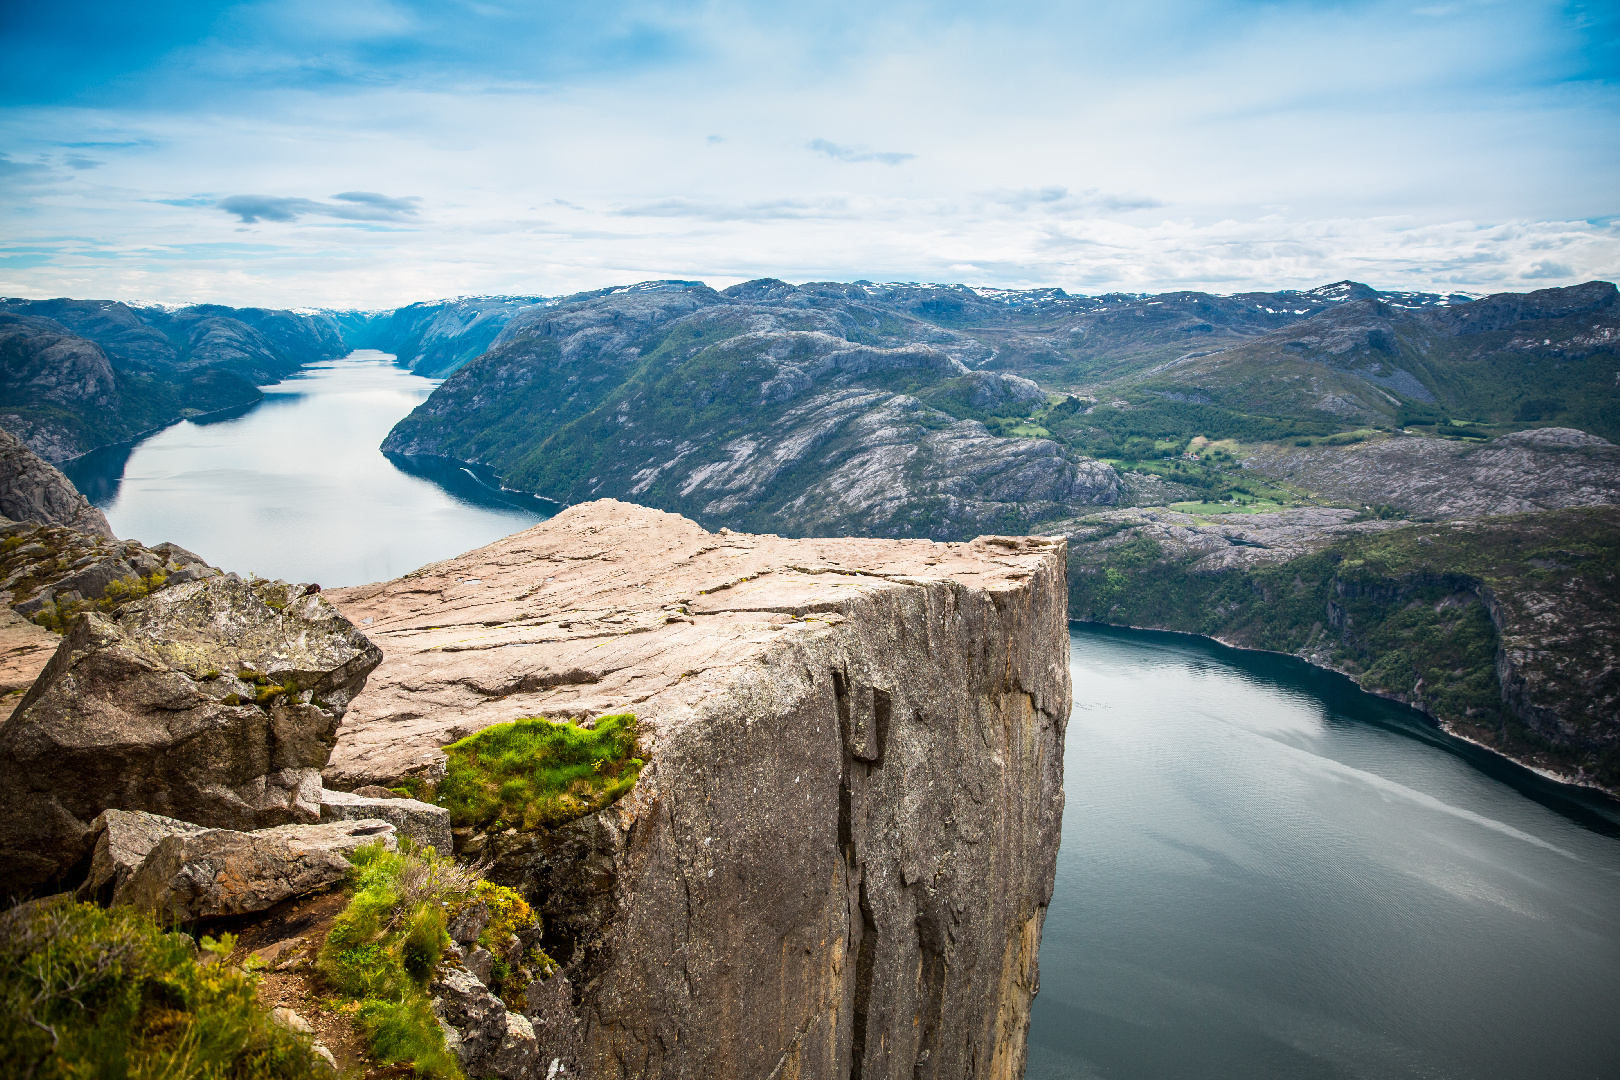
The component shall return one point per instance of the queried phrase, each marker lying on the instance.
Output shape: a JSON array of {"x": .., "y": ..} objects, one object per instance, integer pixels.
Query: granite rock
[
  {"x": 215, "y": 702},
  {"x": 853, "y": 794},
  {"x": 221, "y": 872},
  {"x": 424, "y": 823}
]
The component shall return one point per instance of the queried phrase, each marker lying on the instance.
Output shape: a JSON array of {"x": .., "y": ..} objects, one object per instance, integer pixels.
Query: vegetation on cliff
[
  {"x": 532, "y": 774},
  {"x": 380, "y": 954},
  {"x": 88, "y": 992},
  {"x": 1431, "y": 614}
]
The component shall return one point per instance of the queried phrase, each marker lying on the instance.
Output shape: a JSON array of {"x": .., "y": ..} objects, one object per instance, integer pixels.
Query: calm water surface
[
  {"x": 296, "y": 488},
  {"x": 1264, "y": 873},
  {"x": 1267, "y": 873}
]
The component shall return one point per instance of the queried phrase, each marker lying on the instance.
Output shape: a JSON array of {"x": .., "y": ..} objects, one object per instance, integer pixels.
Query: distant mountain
[
  {"x": 435, "y": 338},
  {"x": 1508, "y": 360},
  {"x": 1079, "y": 342},
  {"x": 78, "y": 374},
  {"x": 790, "y": 409}
]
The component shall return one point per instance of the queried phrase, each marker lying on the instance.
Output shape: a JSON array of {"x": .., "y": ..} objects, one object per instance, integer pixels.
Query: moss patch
[
  {"x": 531, "y": 774},
  {"x": 86, "y": 992}
]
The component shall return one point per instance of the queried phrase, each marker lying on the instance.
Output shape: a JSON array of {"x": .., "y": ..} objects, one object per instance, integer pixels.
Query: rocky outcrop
[
  {"x": 424, "y": 823},
  {"x": 1539, "y": 469},
  {"x": 32, "y": 490},
  {"x": 213, "y": 701},
  {"x": 852, "y": 799},
  {"x": 192, "y": 875}
]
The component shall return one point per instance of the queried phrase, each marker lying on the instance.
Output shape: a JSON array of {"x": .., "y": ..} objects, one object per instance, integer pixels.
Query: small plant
[
  {"x": 383, "y": 949},
  {"x": 537, "y": 773},
  {"x": 87, "y": 992}
]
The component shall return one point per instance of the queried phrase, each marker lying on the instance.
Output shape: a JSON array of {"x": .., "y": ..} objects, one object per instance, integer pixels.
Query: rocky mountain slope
[
  {"x": 78, "y": 374},
  {"x": 798, "y": 410},
  {"x": 1503, "y": 628},
  {"x": 852, "y": 796},
  {"x": 434, "y": 338},
  {"x": 1508, "y": 359}
]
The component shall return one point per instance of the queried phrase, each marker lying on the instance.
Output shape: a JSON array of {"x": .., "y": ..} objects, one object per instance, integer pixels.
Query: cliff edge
[{"x": 839, "y": 855}]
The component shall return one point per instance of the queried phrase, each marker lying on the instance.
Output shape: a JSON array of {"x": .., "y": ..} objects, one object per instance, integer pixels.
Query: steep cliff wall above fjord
[{"x": 838, "y": 858}]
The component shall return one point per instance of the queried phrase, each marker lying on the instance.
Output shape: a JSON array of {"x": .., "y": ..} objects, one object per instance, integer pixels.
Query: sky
[{"x": 372, "y": 153}]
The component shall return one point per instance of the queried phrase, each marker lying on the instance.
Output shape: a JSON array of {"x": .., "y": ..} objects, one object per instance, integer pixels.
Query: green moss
[
  {"x": 86, "y": 992},
  {"x": 536, "y": 773}
]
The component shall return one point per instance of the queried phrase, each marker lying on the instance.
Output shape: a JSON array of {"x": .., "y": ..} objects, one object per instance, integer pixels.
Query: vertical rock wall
[{"x": 839, "y": 857}]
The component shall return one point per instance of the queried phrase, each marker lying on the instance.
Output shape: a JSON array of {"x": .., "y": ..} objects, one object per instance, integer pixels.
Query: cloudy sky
[{"x": 369, "y": 153}]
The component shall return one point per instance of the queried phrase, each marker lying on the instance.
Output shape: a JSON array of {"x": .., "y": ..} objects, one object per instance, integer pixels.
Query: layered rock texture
[
  {"x": 214, "y": 701},
  {"x": 1539, "y": 469},
  {"x": 838, "y": 857}
]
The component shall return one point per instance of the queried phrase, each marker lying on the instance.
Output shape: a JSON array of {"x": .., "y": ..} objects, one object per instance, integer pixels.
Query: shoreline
[{"x": 1442, "y": 727}]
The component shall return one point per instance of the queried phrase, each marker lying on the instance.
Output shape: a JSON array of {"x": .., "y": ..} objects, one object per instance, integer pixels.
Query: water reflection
[
  {"x": 1267, "y": 873},
  {"x": 296, "y": 487}
]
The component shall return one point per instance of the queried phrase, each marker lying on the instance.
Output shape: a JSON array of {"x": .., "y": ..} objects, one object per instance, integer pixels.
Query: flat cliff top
[{"x": 611, "y": 607}]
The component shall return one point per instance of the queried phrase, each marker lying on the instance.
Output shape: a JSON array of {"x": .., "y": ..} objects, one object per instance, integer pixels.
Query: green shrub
[
  {"x": 381, "y": 952},
  {"x": 86, "y": 992},
  {"x": 535, "y": 773}
]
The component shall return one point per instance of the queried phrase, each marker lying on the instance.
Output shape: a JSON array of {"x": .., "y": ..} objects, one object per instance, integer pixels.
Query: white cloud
[{"x": 1138, "y": 147}]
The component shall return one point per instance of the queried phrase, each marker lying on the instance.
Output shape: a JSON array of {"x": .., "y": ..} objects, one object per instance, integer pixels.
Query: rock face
[
  {"x": 32, "y": 490},
  {"x": 425, "y": 823},
  {"x": 1539, "y": 469},
  {"x": 839, "y": 856},
  {"x": 213, "y": 701}
]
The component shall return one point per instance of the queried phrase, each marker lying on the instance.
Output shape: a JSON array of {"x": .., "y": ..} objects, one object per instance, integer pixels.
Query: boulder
[
  {"x": 215, "y": 702},
  {"x": 424, "y": 823},
  {"x": 488, "y": 1040},
  {"x": 221, "y": 872},
  {"x": 122, "y": 840}
]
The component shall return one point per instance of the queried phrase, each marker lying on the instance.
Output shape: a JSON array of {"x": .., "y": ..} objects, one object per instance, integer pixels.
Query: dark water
[
  {"x": 295, "y": 487},
  {"x": 1266, "y": 873}
]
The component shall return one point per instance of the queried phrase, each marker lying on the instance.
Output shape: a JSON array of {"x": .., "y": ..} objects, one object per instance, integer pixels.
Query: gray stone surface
[
  {"x": 123, "y": 839},
  {"x": 424, "y": 823},
  {"x": 1544, "y": 469},
  {"x": 488, "y": 1040},
  {"x": 33, "y": 490},
  {"x": 150, "y": 710},
  {"x": 222, "y": 872},
  {"x": 839, "y": 856}
]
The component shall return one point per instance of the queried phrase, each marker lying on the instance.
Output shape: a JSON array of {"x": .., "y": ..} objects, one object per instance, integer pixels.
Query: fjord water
[
  {"x": 295, "y": 487},
  {"x": 1267, "y": 873}
]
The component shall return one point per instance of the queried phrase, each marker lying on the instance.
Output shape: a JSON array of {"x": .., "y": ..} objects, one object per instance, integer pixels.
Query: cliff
[
  {"x": 838, "y": 857},
  {"x": 1502, "y": 628}
]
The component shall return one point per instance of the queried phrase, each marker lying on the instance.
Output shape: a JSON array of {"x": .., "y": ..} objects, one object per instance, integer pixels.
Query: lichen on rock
[{"x": 165, "y": 707}]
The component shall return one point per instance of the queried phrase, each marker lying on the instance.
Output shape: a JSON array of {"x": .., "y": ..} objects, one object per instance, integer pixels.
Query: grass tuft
[
  {"x": 382, "y": 951},
  {"x": 532, "y": 774}
]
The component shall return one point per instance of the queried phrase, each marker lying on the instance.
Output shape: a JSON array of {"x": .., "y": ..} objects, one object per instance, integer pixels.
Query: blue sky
[{"x": 372, "y": 153}]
